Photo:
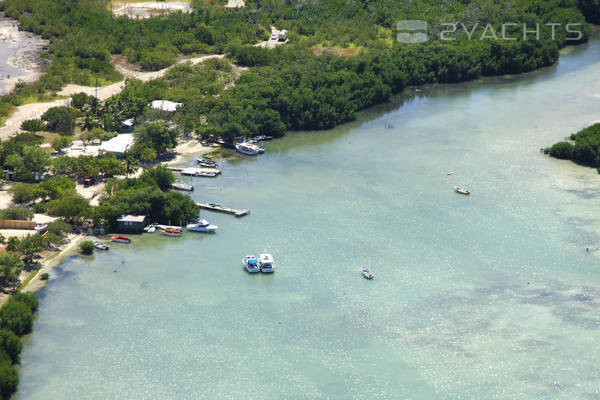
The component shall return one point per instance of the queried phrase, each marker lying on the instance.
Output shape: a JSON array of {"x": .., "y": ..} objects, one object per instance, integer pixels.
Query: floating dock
[
  {"x": 223, "y": 209},
  {"x": 199, "y": 172}
]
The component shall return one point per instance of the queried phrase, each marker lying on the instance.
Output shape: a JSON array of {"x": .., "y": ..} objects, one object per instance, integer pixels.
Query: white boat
[
  {"x": 461, "y": 190},
  {"x": 247, "y": 148},
  {"x": 99, "y": 245},
  {"x": 202, "y": 226},
  {"x": 182, "y": 186},
  {"x": 150, "y": 229},
  {"x": 251, "y": 264},
  {"x": 367, "y": 273},
  {"x": 205, "y": 162},
  {"x": 266, "y": 263}
]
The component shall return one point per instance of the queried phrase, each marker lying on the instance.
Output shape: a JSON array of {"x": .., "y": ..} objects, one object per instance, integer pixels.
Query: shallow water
[
  {"x": 480, "y": 297},
  {"x": 19, "y": 53}
]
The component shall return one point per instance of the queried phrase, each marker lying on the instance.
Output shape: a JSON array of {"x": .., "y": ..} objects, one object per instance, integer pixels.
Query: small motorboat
[
  {"x": 461, "y": 190},
  {"x": 266, "y": 263},
  {"x": 367, "y": 273},
  {"x": 182, "y": 186},
  {"x": 99, "y": 245},
  {"x": 171, "y": 232},
  {"x": 450, "y": 173},
  {"x": 205, "y": 162},
  {"x": 202, "y": 226},
  {"x": 121, "y": 239},
  {"x": 251, "y": 264}
]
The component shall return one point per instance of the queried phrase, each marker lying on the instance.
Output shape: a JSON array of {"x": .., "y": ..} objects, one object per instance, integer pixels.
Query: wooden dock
[{"x": 226, "y": 210}]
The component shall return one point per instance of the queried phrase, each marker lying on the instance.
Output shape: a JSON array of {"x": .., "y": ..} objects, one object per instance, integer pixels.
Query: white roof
[
  {"x": 119, "y": 144},
  {"x": 165, "y": 105},
  {"x": 132, "y": 218},
  {"x": 128, "y": 122}
]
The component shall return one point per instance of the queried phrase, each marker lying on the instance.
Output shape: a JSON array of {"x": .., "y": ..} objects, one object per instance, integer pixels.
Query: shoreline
[
  {"x": 35, "y": 283},
  {"x": 26, "y": 58}
]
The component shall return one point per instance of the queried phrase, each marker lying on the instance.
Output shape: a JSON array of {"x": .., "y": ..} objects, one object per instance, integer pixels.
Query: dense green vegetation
[
  {"x": 86, "y": 247},
  {"x": 591, "y": 10},
  {"x": 16, "y": 319},
  {"x": 287, "y": 88},
  {"x": 584, "y": 149},
  {"x": 146, "y": 195}
]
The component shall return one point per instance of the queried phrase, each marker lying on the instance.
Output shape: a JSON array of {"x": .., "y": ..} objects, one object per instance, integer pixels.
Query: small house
[
  {"x": 132, "y": 223},
  {"x": 119, "y": 144}
]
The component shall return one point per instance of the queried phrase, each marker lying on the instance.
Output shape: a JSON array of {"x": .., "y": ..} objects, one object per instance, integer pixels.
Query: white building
[
  {"x": 119, "y": 144},
  {"x": 165, "y": 105}
]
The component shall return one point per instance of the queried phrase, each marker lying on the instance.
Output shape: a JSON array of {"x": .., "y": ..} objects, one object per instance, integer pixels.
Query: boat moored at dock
[{"x": 202, "y": 226}]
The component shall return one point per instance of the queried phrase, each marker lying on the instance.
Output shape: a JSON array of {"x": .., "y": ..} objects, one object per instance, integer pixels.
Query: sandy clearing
[
  {"x": 35, "y": 110},
  {"x": 150, "y": 9},
  {"x": 148, "y": 76},
  {"x": 271, "y": 44},
  {"x": 235, "y": 4}
]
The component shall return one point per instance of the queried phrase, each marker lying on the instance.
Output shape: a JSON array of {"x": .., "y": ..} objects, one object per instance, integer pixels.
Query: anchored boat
[
  {"x": 266, "y": 263},
  {"x": 251, "y": 264},
  {"x": 367, "y": 273},
  {"x": 461, "y": 190}
]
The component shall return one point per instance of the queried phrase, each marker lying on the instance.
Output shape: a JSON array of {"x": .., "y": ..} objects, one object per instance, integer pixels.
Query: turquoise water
[{"x": 491, "y": 296}]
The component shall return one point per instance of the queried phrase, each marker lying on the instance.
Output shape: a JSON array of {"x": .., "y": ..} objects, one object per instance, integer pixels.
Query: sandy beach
[{"x": 20, "y": 55}]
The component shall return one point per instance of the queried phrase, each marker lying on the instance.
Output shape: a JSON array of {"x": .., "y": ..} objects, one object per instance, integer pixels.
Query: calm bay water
[{"x": 487, "y": 296}]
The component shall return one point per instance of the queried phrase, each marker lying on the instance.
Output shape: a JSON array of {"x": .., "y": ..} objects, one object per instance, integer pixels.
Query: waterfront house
[
  {"x": 132, "y": 223},
  {"x": 119, "y": 144}
]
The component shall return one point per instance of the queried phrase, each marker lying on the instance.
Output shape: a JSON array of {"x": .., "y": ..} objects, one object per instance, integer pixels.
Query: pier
[
  {"x": 223, "y": 209},
  {"x": 198, "y": 172}
]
